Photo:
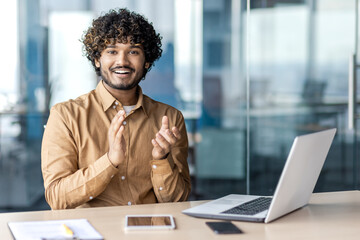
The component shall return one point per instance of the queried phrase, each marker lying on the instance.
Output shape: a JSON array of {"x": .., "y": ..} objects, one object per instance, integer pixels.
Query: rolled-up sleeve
[
  {"x": 67, "y": 185},
  {"x": 170, "y": 177}
]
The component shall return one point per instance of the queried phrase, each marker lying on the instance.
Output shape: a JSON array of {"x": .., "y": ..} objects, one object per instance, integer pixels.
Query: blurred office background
[{"x": 248, "y": 75}]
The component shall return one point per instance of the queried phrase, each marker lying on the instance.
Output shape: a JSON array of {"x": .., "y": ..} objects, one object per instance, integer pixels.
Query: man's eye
[
  {"x": 134, "y": 52},
  {"x": 111, "y": 52}
]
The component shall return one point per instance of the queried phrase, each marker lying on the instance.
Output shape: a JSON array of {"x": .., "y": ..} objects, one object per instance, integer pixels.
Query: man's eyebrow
[
  {"x": 132, "y": 46},
  {"x": 137, "y": 46}
]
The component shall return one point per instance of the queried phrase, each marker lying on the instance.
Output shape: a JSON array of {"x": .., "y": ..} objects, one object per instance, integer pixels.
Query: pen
[{"x": 67, "y": 230}]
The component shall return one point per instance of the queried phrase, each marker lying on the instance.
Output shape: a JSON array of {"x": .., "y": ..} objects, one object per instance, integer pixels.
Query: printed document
[{"x": 54, "y": 229}]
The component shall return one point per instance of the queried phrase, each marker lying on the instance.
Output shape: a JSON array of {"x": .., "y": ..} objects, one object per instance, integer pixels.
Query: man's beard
[{"x": 121, "y": 86}]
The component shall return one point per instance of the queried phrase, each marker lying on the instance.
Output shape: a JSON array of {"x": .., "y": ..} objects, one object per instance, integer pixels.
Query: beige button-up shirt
[{"x": 77, "y": 171}]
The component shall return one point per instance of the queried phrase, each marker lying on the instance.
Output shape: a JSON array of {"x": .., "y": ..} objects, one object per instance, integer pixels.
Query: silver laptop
[{"x": 294, "y": 189}]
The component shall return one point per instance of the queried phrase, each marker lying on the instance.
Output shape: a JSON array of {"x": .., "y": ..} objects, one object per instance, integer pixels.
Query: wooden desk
[{"x": 328, "y": 216}]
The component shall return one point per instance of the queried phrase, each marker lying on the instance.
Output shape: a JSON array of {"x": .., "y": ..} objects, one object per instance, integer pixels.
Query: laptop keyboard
[{"x": 252, "y": 207}]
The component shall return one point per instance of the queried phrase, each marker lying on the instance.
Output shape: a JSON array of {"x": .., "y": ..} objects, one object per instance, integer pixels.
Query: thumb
[{"x": 164, "y": 123}]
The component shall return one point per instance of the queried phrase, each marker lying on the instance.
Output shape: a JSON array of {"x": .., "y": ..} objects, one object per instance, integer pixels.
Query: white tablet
[{"x": 149, "y": 222}]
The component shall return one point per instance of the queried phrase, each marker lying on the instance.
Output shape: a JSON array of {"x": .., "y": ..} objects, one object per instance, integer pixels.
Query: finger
[
  {"x": 116, "y": 117},
  {"x": 164, "y": 123},
  {"x": 157, "y": 151},
  {"x": 169, "y": 136},
  {"x": 121, "y": 113},
  {"x": 116, "y": 141},
  {"x": 120, "y": 138},
  {"x": 157, "y": 147},
  {"x": 163, "y": 143},
  {"x": 116, "y": 123},
  {"x": 113, "y": 127},
  {"x": 120, "y": 132},
  {"x": 155, "y": 144},
  {"x": 122, "y": 116},
  {"x": 176, "y": 133}
]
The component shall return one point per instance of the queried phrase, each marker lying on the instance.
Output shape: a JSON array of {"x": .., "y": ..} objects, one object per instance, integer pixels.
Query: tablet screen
[{"x": 149, "y": 221}]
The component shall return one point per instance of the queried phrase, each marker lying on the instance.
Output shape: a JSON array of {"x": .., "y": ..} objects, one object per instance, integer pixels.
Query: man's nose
[{"x": 122, "y": 59}]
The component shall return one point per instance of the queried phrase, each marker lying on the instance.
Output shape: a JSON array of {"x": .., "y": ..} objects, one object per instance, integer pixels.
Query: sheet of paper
[{"x": 53, "y": 229}]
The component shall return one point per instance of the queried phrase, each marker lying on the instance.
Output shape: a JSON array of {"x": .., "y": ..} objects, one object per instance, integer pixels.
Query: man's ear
[
  {"x": 147, "y": 65},
  {"x": 97, "y": 63}
]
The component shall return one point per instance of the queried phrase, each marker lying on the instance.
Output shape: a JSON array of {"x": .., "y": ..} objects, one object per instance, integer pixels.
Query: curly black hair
[{"x": 120, "y": 26}]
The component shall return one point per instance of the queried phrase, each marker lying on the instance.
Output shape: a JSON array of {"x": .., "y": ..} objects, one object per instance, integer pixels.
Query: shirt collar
[{"x": 108, "y": 100}]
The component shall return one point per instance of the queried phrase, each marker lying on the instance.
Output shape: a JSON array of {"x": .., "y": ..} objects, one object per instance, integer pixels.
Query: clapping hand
[
  {"x": 117, "y": 146},
  {"x": 164, "y": 140}
]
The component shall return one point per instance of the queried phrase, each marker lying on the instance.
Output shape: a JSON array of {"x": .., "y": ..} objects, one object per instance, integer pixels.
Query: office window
[{"x": 248, "y": 80}]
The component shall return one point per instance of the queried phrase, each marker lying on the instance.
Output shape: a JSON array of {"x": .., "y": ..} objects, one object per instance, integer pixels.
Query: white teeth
[{"x": 121, "y": 72}]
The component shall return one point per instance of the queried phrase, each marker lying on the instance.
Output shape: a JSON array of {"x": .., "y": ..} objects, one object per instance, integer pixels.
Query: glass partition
[
  {"x": 299, "y": 65},
  {"x": 222, "y": 129}
]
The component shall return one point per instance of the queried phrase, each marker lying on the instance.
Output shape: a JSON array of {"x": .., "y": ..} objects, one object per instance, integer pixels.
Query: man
[{"x": 114, "y": 145}]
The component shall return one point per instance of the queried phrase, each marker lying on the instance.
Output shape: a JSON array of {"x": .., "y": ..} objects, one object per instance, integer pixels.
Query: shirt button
[
  {"x": 160, "y": 188},
  {"x": 91, "y": 197},
  {"x": 114, "y": 107},
  {"x": 124, "y": 122},
  {"x": 129, "y": 203},
  {"x": 112, "y": 176},
  {"x": 116, "y": 103},
  {"x": 154, "y": 166},
  {"x": 122, "y": 177}
]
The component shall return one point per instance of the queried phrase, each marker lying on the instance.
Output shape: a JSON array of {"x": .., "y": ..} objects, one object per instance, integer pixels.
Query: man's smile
[{"x": 122, "y": 70}]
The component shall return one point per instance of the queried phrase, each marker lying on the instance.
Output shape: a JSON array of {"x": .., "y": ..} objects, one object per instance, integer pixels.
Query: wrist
[
  {"x": 162, "y": 158},
  {"x": 111, "y": 161}
]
